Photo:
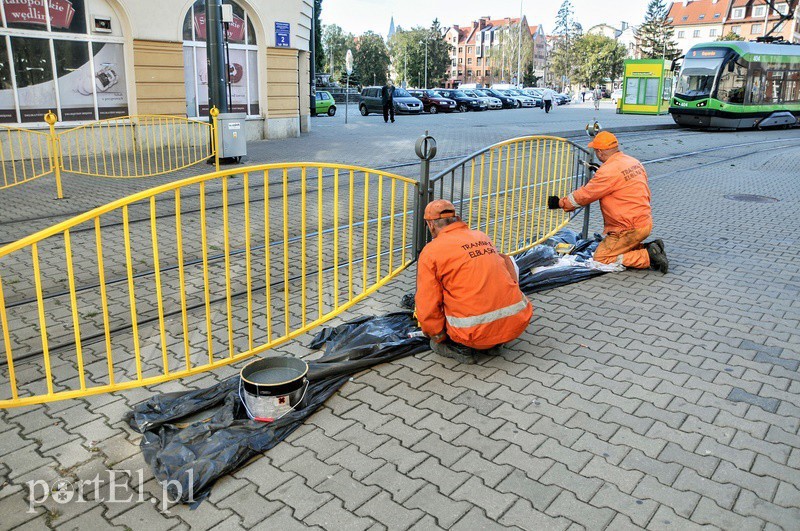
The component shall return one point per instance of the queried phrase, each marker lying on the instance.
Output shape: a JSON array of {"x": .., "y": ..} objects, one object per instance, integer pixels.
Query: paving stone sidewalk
[{"x": 634, "y": 400}]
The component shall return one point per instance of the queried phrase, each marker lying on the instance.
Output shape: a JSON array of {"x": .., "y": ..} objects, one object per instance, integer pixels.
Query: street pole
[
  {"x": 519, "y": 46},
  {"x": 348, "y": 67},
  {"x": 312, "y": 82},
  {"x": 426, "y": 63},
  {"x": 215, "y": 54}
]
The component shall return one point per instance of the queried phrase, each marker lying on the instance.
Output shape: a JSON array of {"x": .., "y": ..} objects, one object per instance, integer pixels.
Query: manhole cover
[{"x": 750, "y": 198}]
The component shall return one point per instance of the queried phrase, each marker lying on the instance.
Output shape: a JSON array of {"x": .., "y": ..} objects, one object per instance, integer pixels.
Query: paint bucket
[{"x": 272, "y": 387}]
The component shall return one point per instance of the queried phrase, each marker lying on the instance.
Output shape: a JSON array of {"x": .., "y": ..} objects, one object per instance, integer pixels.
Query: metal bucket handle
[{"x": 260, "y": 419}]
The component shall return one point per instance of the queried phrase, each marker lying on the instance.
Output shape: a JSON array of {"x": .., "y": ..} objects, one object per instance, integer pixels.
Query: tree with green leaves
[
  {"x": 731, "y": 36},
  {"x": 516, "y": 49},
  {"x": 598, "y": 58},
  {"x": 407, "y": 52},
  {"x": 319, "y": 52},
  {"x": 656, "y": 34},
  {"x": 371, "y": 59},
  {"x": 566, "y": 31},
  {"x": 336, "y": 43}
]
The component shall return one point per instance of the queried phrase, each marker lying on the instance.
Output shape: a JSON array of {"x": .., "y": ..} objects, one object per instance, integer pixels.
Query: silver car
[
  {"x": 491, "y": 102},
  {"x": 521, "y": 99}
]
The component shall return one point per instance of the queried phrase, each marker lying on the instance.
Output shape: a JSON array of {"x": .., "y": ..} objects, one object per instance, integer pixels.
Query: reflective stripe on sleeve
[
  {"x": 572, "y": 200},
  {"x": 488, "y": 317}
]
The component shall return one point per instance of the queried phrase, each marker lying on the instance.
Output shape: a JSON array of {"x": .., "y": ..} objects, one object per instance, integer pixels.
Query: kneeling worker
[
  {"x": 620, "y": 184},
  {"x": 468, "y": 298}
]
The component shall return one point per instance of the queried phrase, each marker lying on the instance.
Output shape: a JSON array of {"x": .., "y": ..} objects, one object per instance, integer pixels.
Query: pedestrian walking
[
  {"x": 620, "y": 184},
  {"x": 583, "y": 94},
  {"x": 547, "y": 97},
  {"x": 468, "y": 298},
  {"x": 597, "y": 95},
  {"x": 387, "y": 99}
]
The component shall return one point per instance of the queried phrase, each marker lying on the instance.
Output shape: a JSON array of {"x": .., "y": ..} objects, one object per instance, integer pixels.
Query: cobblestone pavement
[{"x": 634, "y": 400}]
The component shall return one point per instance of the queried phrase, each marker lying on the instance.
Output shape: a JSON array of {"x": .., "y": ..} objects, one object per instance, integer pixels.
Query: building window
[
  {"x": 681, "y": 34},
  {"x": 469, "y": 49},
  {"x": 54, "y": 59},
  {"x": 460, "y": 49},
  {"x": 696, "y": 33},
  {"x": 461, "y": 60},
  {"x": 702, "y": 16},
  {"x": 454, "y": 62},
  {"x": 737, "y": 30},
  {"x": 716, "y": 15},
  {"x": 756, "y": 29},
  {"x": 712, "y": 32},
  {"x": 488, "y": 73},
  {"x": 469, "y": 72},
  {"x": 782, "y": 8},
  {"x": 469, "y": 60},
  {"x": 759, "y": 11},
  {"x": 478, "y": 61},
  {"x": 737, "y": 13},
  {"x": 243, "y": 65},
  {"x": 685, "y": 18}
]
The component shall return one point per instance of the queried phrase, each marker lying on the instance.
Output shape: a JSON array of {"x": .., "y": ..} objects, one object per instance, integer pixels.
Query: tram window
[
  {"x": 697, "y": 77},
  {"x": 732, "y": 80},
  {"x": 792, "y": 89}
]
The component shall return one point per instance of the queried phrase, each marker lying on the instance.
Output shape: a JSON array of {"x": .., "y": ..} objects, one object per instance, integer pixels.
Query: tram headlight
[{"x": 702, "y": 104}]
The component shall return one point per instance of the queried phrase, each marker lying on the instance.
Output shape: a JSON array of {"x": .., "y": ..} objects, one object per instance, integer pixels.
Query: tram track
[
  {"x": 189, "y": 197},
  {"x": 99, "y": 337}
]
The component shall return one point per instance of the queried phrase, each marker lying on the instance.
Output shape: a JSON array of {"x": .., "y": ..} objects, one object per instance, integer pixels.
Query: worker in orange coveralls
[
  {"x": 621, "y": 186},
  {"x": 468, "y": 298}
]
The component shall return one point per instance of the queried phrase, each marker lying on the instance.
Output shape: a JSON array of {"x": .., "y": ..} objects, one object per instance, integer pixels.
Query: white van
[{"x": 470, "y": 86}]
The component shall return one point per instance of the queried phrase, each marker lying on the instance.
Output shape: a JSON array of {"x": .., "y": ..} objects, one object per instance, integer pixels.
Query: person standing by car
[
  {"x": 597, "y": 95},
  {"x": 387, "y": 99},
  {"x": 547, "y": 97}
]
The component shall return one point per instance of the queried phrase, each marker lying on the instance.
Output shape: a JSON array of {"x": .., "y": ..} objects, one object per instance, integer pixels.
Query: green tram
[{"x": 738, "y": 85}]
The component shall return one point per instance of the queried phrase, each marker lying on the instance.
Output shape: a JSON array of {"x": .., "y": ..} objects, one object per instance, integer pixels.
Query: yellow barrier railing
[
  {"x": 24, "y": 155},
  {"x": 502, "y": 190},
  {"x": 135, "y": 146},
  {"x": 127, "y": 146},
  {"x": 195, "y": 274}
]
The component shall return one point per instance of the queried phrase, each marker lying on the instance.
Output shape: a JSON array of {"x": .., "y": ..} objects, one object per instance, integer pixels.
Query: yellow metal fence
[
  {"x": 122, "y": 147},
  {"x": 25, "y": 155},
  {"x": 195, "y": 274},
  {"x": 212, "y": 269},
  {"x": 502, "y": 190}
]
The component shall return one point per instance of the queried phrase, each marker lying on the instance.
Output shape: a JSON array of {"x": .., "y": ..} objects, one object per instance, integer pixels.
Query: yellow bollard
[
  {"x": 55, "y": 159},
  {"x": 214, "y": 112}
]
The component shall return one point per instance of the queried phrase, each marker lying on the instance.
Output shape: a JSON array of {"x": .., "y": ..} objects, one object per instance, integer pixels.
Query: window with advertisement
[
  {"x": 241, "y": 56},
  {"x": 51, "y": 59}
]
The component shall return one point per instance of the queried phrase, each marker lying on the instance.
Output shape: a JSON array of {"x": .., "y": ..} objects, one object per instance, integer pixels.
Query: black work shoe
[
  {"x": 448, "y": 349},
  {"x": 658, "y": 260},
  {"x": 657, "y": 243}
]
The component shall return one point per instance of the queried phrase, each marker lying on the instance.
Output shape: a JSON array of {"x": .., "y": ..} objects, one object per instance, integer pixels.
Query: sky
[{"x": 358, "y": 16}]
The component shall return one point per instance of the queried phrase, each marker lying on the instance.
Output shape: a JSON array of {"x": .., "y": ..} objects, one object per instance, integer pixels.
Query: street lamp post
[{"x": 425, "y": 42}]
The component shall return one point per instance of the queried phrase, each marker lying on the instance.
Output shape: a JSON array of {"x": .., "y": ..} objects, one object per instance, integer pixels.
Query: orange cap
[
  {"x": 438, "y": 209},
  {"x": 604, "y": 140}
]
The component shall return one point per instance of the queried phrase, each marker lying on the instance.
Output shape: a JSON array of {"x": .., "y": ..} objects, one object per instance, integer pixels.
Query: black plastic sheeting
[
  {"x": 192, "y": 455},
  {"x": 192, "y": 438}
]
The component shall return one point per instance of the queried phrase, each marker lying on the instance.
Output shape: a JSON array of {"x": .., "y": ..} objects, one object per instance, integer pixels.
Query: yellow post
[
  {"x": 55, "y": 158},
  {"x": 214, "y": 112}
]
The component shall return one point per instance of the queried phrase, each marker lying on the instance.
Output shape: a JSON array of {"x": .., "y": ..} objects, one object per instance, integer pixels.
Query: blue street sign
[{"x": 282, "y": 34}]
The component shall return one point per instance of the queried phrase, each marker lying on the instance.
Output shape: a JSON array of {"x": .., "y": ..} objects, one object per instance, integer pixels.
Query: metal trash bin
[{"x": 231, "y": 135}]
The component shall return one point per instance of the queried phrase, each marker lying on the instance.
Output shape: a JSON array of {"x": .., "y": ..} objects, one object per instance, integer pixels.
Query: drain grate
[{"x": 750, "y": 198}]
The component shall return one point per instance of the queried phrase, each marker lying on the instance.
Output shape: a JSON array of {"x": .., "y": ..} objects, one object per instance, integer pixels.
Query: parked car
[
  {"x": 508, "y": 101},
  {"x": 491, "y": 101},
  {"x": 404, "y": 103},
  {"x": 563, "y": 99},
  {"x": 520, "y": 99},
  {"x": 432, "y": 102},
  {"x": 464, "y": 103},
  {"x": 325, "y": 103},
  {"x": 616, "y": 96}
]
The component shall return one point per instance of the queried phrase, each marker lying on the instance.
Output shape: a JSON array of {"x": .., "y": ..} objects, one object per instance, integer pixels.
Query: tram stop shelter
[{"x": 646, "y": 87}]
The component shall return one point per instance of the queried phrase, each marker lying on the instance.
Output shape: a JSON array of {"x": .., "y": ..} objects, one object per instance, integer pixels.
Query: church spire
[{"x": 391, "y": 28}]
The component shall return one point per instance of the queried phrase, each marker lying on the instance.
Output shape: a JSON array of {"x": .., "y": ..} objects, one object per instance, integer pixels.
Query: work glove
[
  {"x": 553, "y": 202},
  {"x": 593, "y": 166}
]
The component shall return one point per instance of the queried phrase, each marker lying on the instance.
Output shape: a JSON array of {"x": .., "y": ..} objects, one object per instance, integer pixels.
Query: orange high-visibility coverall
[
  {"x": 464, "y": 288},
  {"x": 621, "y": 186}
]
